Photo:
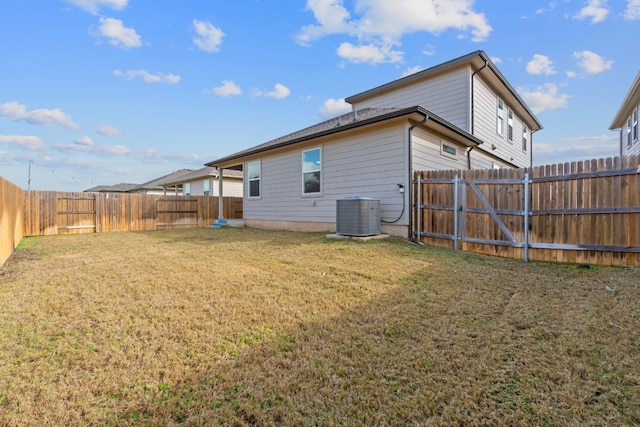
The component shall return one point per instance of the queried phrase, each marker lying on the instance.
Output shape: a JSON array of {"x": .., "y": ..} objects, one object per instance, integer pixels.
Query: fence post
[
  {"x": 456, "y": 181},
  {"x": 526, "y": 217},
  {"x": 419, "y": 219}
]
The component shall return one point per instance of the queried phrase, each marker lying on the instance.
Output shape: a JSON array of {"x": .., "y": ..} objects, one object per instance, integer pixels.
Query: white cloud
[
  {"x": 381, "y": 24},
  {"x": 547, "y": 97},
  {"x": 632, "y": 12},
  {"x": 591, "y": 62},
  {"x": 371, "y": 54},
  {"x": 84, "y": 141},
  {"x": 575, "y": 149},
  {"x": 279, "y": 92},
  {"x": 540, "y": 64},
  {"x": 29, "y": 143},
  {"x": 118, "y": 34},
  {"x": 147, "y": 77},
  {"x": 227, "y": 88},
  {"x": 209, "y": 37},
  {"x": 411, "y": 70},
  {"x": 108, "y": 130},
  {"x": 86, "y": 145},
  {"x": 334, "y": 107},
  {"x": 45, "y": 117},
  {"x": 151, "y": 155},
  {"x": 93, "y": 6},
  {"x": 596, "y": 10}
]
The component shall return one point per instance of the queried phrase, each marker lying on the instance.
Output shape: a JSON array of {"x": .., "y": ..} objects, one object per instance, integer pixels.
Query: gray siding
[
  {"x": 485, "y": 118},
  {"x": 630, "y": 146},
  {"x": 446, "y": 95},
  {"x": 365, "y": 163}
]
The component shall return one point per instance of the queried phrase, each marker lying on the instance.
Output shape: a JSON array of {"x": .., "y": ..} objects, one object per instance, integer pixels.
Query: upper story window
[
  {"x": 635, "y": 124},
  {"x": 629, "y": 131},
  {"x": 253, "y": 176},
  {"x": 525, "y": 137},
  {"x": 311, "y": 171},
  {"x": 510, "y": 126},
  {"x": 500, "y": 117}
]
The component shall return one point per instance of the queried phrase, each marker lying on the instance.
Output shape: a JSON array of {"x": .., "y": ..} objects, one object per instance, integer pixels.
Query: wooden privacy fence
[
  {"x": 51, "y": 212},
  {"x": 581, "y": 212},
  {"x": 12, "y": 199}
]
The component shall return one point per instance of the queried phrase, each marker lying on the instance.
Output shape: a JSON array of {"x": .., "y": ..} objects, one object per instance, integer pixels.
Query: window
[
  {"x": 253, "y": 175},
  {"x": 635, "y": 124},
  {"x": 311, "y": 171},
  {"x": 448, "y": 150},
  {"x": 525, "y": 137},
  {"x": 205, "y": 187},
  {"x": 629, "y": 132},
  {"x": 510, "y": 126},
  {"x": 500, "y": 116},
  {"x": 187, "y": 189}
]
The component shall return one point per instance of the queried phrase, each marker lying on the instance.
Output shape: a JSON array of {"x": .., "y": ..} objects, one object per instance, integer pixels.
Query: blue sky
[{"x": 100, "y": 92}]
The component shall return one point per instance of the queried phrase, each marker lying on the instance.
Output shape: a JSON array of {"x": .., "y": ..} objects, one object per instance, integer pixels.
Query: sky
[{"x": 102, "y": 92}]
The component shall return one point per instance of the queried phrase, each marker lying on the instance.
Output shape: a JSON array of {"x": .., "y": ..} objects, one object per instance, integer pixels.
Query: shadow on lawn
[{"x": 463, "y": 352}]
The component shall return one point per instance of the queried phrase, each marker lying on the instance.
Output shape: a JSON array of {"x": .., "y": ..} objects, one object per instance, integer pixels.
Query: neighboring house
[
  {"x": 157, "y": 186},
  {"x": 118, "y": 188},
  {"x": 462, "y": 114},
  {"x": 206, "y": 182},
  {"x": 626, "y": 121}
]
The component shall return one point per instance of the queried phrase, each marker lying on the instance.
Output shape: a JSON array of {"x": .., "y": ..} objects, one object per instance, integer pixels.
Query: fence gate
[
  {"x": 76, "y": 213},
  {"x": 483, "y": 215}
]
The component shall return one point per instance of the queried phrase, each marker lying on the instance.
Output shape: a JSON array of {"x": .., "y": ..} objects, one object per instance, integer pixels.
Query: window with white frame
[
  {"x": 635, "y": 125},
  {"x": 510, "y": 125},
  {"x": 525, "y": 137},
  {"x": 500, "y": 117},
  {"x": 253, "y": 176},
  {"x": 448, "y": 150},
  {"x": 205, "y": 187},
  {"x": 311, "y": 171},
  {"x": 186, "y": 189},
  {"x": 629, "y": 132}
]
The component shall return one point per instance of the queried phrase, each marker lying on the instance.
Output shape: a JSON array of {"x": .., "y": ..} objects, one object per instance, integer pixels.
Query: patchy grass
[{"x": 249, "y": 327}]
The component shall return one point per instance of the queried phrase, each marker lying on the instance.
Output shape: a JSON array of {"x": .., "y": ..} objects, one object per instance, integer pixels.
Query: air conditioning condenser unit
[{"x": 358, "y": 216}]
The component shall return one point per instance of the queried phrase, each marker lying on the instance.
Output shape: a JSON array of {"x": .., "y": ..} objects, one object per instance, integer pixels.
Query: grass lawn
[{"x": 249, "y": 327}]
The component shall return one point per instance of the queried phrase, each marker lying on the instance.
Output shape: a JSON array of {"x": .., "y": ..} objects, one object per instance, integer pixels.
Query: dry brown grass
[{"x": 248, "y": 327}]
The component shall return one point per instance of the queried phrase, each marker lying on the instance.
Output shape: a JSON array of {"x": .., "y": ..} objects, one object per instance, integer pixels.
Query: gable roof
[
  {"x": 157, "y": 184},
  {"x": 477, "y": 60},
  {"x": 202, "y": 173},
  {"x": 626, "y": 108},
  {"x": 118, "y": 188},
  {"x": 353, "y": 120}
]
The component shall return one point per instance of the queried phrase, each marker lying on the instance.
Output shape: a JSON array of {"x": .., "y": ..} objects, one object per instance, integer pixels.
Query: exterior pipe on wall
[
  {"x": 473, "y": 98},
  {"x": 469, "y": 150},
  {"x": 410, "y": 189}
]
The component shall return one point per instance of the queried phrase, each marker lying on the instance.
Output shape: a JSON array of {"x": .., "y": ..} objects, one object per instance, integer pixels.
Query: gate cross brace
[{"x": 492, "y": 212}]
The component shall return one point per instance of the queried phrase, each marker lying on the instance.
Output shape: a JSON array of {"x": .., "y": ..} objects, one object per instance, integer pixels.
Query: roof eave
[
  {"x": 632, "y": 98},
  {"x": 418, "y": 111}
]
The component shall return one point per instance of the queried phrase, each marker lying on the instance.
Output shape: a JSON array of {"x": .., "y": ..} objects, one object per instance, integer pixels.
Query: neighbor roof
[
  {"x": 626, "y": 108},
  {"x": 157, "y": 184},
  {"x": 203, "y": 173},
  {"x": 118, "y": 188},
  {"x": 345, "y": 122}
]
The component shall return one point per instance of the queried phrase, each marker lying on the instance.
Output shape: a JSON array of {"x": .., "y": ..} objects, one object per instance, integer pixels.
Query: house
[
  {"x": 626, "y": 121},
  {"x": 117, "y": 188},
  {"x": 206, "y": 182},
  {"x": 462, "y": 114}
]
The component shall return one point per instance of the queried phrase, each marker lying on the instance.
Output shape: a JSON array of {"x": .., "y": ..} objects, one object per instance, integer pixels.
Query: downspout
[
  {"x": 410, "y": 189},
  {"x": 469, "y": 150},
  {"x": 473, "y": 121}
]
